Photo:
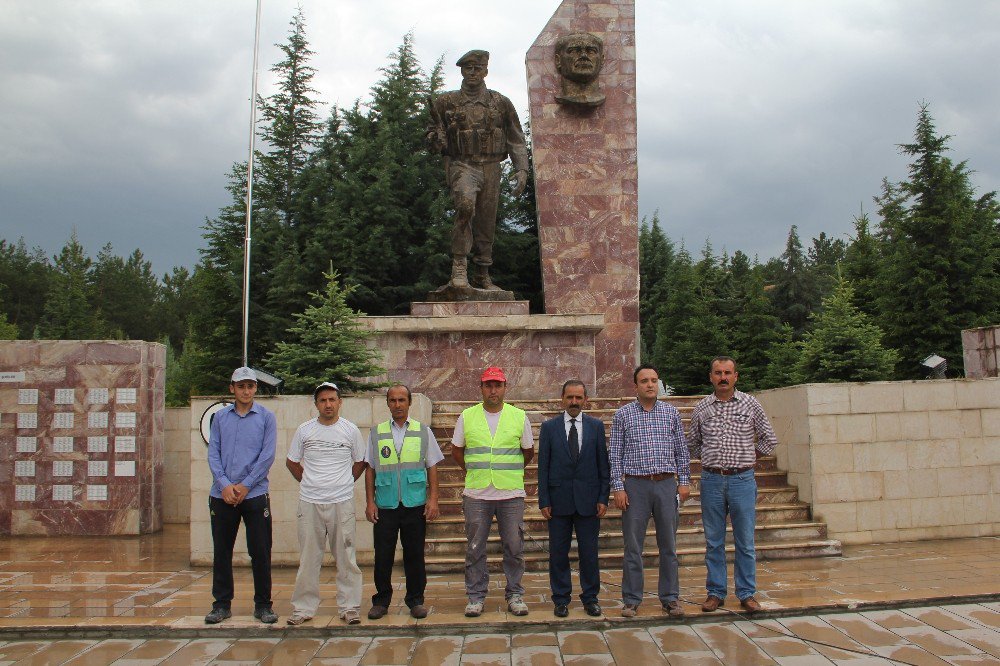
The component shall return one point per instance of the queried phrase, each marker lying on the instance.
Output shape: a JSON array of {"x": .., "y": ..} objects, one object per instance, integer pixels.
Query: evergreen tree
[
  {"x": 843, "y": 345},
  {"x": 8, "y": 331},
  {"x": 752, "y": 331},
  {"x": 862, "y": 266},
  {"x": 174, "y": 304},
  {"x": 326, "y": 343},
  {"x": 68, "y": 313},
  {"x": 656, "y": 256},
  {"x": 124, "y": 292},
  {"x": 783, "y": 360},
  {"x": 942, "y": 254},
  {"x": 795, "y": 294},
  {"x": 24, "y": 285},
  {"x": 825, "y": 257}
]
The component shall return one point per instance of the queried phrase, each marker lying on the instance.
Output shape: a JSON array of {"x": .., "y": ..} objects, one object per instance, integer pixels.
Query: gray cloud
[{"x": 122, "y": 119}]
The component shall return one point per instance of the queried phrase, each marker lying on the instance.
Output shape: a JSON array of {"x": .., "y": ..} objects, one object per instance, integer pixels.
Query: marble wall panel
[
  {"x": 54, "y": 368},
  {"x": 585, "y": 183}
]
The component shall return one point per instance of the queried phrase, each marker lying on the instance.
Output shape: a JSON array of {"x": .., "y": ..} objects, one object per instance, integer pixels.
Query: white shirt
[
  {"x": 326, "y": 453},
  {"x": 491, "y": 492},
  {"x": 579, "y": 428},
  {"x": 434, "y": 455}
]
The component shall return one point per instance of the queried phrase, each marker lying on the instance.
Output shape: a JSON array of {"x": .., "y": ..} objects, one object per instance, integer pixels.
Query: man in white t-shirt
[
  {"x": 493, "y": 444},
  {"x": 326, "y": 456}
]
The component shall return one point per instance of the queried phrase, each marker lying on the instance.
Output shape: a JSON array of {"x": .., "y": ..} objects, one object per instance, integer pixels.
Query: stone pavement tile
[
  {"x": 940, "y": 618},
  {"x": 486, "y": 644},
  {"x": 248, "y": 649},
  {"x": 974, "y": 660},
  {"x": 977, "y": 613},
  {"x": 293, "y": 652},
  {"x": 936, "y": 641},
  {"x": 389, "y": 650},
  {"x": 582, "y": 642},
  {"x": 677, "y": 639},
  {"x": 344, "y": 647},
  {"x": 197, "y": 652},
  {"x": 56, "y": 652},
  {"x": 107, "y": 651},
  {"x": 863, "y": 630},
  {"x": 155, "y": 650},
  {"x": 825, "y": 636},
  {"x": 705, "y": 658},
  {"x": 805, "y": 660},
  {"x": 589, "y": 660},
  {"x": 778, "y": 648},
  {"x": 438, "y": 650},
  {"x": 634, "y": 646},
  {"x": 485, "y": 660},
  {"x": 762, "y": 629},
  {"x": 533, "y": 639},
  {"x": 536, "y": 656},
  {"x": 731, "y": 645},
  {"x": 986, "y": 640},
  {"x": 891, "y": 619},
  {"x": 911, "y": 654}
]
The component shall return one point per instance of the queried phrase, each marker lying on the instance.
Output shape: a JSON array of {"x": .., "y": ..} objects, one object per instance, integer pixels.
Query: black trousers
[
  {"x": 560, "y": 538},
  {"x": 256, "y": 515},
  {"x": 410, "y": 526}
]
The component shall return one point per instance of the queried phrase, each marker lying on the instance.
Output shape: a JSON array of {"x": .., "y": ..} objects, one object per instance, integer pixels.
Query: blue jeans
[{"x": 737, "y": 496}]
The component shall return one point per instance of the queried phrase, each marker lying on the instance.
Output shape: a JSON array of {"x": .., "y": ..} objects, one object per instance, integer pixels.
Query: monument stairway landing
[{"x": 785, "y": 528}]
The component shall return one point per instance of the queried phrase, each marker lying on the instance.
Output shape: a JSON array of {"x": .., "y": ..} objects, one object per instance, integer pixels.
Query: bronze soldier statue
[{"x": 476, "y": 129}]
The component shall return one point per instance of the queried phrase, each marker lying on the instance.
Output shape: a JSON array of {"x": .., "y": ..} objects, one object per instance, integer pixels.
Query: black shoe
[
  {"x": 593, "y": 609},
  {"x": 561, "y": 610},
  {"x": 265, "y": 615},
  {"x": 377, "y": 612},
  {"x": 218, "y": 615}
]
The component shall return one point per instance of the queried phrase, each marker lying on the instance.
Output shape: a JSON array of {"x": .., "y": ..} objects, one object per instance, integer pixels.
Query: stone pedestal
[
  {"x": 81, "y": 437},
  {"x": 586, "y": 184},
  {"x": 442, "y": 348},
  {"x": 981, "y": 351}
]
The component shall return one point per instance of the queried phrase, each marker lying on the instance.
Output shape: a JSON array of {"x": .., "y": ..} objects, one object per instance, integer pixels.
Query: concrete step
[
  {"x": 451, "y": 479},
  {"x": 688, "y": 555}
]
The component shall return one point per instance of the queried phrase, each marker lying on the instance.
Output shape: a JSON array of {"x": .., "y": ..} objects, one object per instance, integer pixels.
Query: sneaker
[
  {"x": 673, "y": 609},
  {"x": 265, "y": 615},
  {"x": 297, "y": 618},
  {"x": 474, "y": 609},
  {"x": 218, "y": 615},
  {"x": 419, "y": 611},
  {"x": 630, "y": 610},
  {"x": 377, "y": 612},
  {"x": 516, "y": 605},
  {"x": 351, "y": 617}
]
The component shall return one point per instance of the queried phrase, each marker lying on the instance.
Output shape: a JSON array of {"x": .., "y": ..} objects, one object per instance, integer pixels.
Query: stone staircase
[{"x": 785, "y": 528}]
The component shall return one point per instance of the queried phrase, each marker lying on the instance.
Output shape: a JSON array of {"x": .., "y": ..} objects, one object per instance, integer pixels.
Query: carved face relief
[{"x": 579, "y": 57}]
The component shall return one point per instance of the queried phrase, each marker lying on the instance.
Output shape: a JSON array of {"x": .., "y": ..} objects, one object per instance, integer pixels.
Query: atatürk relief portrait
[{"x": 579, "y": 57}]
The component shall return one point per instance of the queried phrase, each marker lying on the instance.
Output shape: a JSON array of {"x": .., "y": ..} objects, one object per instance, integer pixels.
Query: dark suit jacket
[{"x": 567, "y": 487}]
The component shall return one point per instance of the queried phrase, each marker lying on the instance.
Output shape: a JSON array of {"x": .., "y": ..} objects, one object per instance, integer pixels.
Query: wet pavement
[{"x": 136, "y": 600}]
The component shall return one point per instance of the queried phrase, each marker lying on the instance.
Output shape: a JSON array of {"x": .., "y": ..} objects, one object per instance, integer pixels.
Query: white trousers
[{"x": 319, "y": 524}]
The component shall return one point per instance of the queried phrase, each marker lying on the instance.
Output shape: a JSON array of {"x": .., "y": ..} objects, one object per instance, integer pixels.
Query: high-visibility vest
[
  {"x": 494, "y": 459},
  {"x": 403, "y": 477}
]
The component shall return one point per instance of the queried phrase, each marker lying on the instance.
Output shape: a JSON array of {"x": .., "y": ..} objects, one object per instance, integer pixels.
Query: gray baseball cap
[{"x": 243, "y": 374}]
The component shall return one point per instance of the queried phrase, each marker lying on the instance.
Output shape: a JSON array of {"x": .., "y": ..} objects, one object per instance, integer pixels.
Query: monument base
[
  {"x": 451, "y": 294},
  {"x": 442, "y": 348}
]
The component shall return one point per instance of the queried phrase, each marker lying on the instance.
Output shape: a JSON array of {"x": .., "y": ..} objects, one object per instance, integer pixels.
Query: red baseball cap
[{"x": 493, "y": 374}]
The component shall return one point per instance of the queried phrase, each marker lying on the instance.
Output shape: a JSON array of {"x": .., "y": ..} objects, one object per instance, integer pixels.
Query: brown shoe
[
  {"x": 751, "y": 605},
  {"x": 712, "y": 603},
  {"x": 377, "y": 612},
  {"x": 673, "y": 609},
  {"x": 419, "y": 611}
]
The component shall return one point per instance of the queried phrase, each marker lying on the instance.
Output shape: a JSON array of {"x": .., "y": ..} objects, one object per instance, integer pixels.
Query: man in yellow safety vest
[{"x": 493, "y": 443}]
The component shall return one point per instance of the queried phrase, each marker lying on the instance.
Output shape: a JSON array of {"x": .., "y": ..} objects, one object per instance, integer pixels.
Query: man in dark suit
[{"x": 573, "y": 486}]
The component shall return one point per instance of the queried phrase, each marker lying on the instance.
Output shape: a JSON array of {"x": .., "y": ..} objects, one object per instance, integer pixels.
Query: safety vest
[
  {"x": 401, "y": 478},
  {"x": 494, "y": 460}
]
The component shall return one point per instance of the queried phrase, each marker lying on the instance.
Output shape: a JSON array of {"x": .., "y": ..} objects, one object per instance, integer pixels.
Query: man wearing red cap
[{"x": 493, "y": 443}]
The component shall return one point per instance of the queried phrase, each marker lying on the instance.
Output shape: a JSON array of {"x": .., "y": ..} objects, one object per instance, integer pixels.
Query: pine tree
[
  {"x": 783, "y": 360},
  {"x": 795, "y": 294},
  {"x": 843, "y": 345},
  {"x": 24, "y": 285},
  {"x": 8, "y": 331},
  {"x": 942, "y": 254},
  {"x": 863, "y": 264},
  {"x": 124, "y": 292},
  {"x": 68, "y": 313},
  {"x": 326, "y": 343},
  {"x": 656, "y": 256}
]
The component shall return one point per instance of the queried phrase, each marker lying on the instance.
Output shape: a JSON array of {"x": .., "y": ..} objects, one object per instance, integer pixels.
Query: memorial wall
[{"x": 81, "y": 437}]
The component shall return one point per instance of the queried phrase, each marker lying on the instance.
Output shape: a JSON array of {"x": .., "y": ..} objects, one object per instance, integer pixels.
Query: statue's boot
[
  {"x": 482, "y": 279},
  {"x": 459, "y": 273}
]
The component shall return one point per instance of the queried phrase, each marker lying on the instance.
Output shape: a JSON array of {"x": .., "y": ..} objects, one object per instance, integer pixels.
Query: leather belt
[
  {"x": 652, "y": 477},
  {"x": 723, "y": 471}
]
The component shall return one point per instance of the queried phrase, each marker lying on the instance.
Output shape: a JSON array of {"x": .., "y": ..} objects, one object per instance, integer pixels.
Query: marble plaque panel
[
  {"x": 62, "y": 420},
  {"x": 62, "y": 493},
  {"x": 24, "y": 493},
  {"x": 125, "y": 396},
  {"x": 124, "y": 444},
  {"x": 97, "y": 468},
  {"x": 62, "y": 468},
  {"x": 97, "y": 396},
  {"x": 97, "y": 420},
  {"x": 97, "y": 493},
  {"x": 125, "y": 420},
  {"x": 97, "y": 444},
  {"x": 62, "y": 445},
  {"x": 24, "y": 468},
  {"x": 64, "y": 396},
  {"x": 124, "y": 468},
  {"x": 27, "y": 396},
  {"x": 27, "y": 444},
  {"x": 27, "y": 420}
]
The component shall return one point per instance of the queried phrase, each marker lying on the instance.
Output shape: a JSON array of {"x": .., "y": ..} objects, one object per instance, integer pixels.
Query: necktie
[{"x": 574, "y": 440}]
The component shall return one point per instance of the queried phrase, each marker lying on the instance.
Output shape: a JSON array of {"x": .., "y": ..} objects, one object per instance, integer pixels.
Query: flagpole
[{"x": 246, "y": 244}]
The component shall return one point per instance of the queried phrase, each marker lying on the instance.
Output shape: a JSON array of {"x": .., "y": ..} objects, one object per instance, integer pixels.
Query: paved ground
[{"x": 136, "y": 600}]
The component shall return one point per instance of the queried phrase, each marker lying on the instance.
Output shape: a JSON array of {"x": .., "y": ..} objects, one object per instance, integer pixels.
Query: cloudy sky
[{"x": 121, "y": 118}]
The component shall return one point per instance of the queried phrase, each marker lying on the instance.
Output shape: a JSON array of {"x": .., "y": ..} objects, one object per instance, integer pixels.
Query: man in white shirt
[
  {"x": 326, "y": 456},
  {"x": 493, "y": 444}
]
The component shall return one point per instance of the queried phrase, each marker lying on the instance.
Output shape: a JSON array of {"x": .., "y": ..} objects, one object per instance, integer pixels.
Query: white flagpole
[{"x": 246, "y": 245}]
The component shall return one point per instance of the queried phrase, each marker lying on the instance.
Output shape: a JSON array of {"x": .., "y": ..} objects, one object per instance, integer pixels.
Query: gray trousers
[
  {"x": 510, "y": 523},
  {"x": 318, "y": 525},
  {"x": 659, "y": 498}
]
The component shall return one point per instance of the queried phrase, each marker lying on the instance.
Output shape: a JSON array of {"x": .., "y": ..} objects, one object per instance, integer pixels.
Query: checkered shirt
[
  {"x": 722, "y": 434},
  {"x": 648, "y": 443}
]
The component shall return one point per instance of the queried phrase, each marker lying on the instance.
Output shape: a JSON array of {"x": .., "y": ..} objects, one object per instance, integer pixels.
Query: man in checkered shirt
[{"x": 723, "y": 431}]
